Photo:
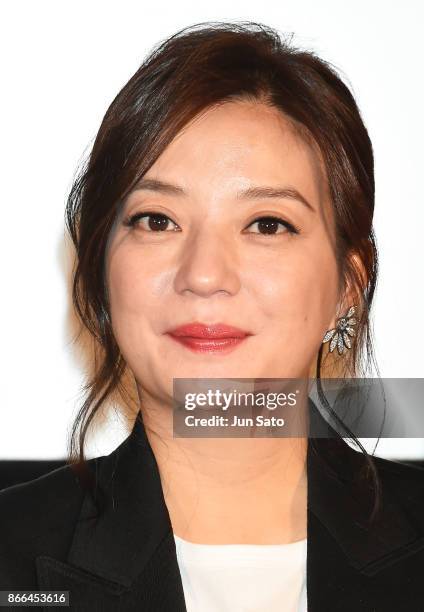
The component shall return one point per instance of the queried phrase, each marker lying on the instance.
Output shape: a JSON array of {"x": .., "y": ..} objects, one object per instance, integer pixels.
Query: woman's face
[{"x": 215, "y": 263}]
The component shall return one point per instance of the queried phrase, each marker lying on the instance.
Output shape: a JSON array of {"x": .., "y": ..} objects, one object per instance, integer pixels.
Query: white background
[{"x": 63, "y": 63}]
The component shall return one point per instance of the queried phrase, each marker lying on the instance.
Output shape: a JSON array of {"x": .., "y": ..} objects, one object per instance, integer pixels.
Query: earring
[{"x": 340, "y": 334}]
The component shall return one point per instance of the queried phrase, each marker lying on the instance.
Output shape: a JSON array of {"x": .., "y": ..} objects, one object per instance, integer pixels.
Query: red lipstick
[{"x": 200, "y": 337}]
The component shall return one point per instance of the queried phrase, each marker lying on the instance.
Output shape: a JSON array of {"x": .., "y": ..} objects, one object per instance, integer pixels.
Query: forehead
[{"x": 234, "y": 144}]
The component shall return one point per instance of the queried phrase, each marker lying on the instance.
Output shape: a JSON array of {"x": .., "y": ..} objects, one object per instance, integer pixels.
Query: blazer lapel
[
  {"x": 345, "y": 555},
  {"x": 126, "y": 559}
]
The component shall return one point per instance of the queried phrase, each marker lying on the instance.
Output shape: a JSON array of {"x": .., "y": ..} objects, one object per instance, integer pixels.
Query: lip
[
  {"x": 201, "y": 337},
  {"x": 213, "y": 331}
]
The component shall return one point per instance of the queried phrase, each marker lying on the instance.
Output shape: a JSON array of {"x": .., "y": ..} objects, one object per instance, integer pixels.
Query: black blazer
[{"x": 126, "y": 561}]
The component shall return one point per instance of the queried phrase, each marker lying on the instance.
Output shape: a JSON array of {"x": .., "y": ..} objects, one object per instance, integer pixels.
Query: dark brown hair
[{"x": 199, "y": 66}]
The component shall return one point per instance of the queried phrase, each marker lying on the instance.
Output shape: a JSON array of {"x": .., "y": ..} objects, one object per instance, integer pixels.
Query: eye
[
  {"x": 269, "y": 226},
  {"x": 158, "y": 222}
]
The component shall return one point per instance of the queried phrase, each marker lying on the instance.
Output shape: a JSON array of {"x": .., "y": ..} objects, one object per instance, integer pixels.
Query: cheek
[
  {"x": 126, "y": 289},
  {"x": 133, "y": 301},
  {"x": 298, "y": 292}
]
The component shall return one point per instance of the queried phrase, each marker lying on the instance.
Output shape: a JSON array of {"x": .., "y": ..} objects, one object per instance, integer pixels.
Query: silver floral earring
[{"x": 340, "y": 334}]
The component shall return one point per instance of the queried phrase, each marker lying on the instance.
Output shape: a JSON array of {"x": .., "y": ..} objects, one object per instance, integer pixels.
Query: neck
[{"x": 230, "y": 490}]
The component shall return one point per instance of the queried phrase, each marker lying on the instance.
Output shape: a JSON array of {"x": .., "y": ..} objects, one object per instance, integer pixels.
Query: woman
[{"x": 229, "y": 192}]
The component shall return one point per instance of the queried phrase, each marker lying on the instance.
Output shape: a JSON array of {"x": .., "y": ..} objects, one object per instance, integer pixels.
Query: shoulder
[
  {"x": 29, "y": 499},
  {"x": 392, "y": 472},
  {"x": 406, "y": 478},
  {"x": 399, "y": 471},
  {"x": 38, "y": 517},
  {"x": 402, "y": 487},
  {"x": 398, "y": 485}
]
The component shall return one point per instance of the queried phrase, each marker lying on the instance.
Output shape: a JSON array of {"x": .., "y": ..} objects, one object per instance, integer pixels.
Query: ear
[{"x": 355, "y": 283}]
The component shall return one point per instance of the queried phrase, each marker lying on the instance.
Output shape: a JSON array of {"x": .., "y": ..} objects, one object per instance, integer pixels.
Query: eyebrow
[{"x": 251, "y": 193}]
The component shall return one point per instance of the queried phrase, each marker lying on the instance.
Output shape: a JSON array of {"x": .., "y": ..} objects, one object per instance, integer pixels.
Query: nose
[{"x": 209, "y": 264}]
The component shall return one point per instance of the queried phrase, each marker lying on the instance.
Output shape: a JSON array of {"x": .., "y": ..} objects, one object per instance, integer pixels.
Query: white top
[{"x": 243, "y": 577}]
